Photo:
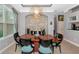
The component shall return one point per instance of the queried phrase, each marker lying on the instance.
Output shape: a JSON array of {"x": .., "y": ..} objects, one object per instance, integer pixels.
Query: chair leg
[
  {"x": 15, "y": 47},
  {"x": 53, "y": 49},
  {"x": 60, "y": 48}
]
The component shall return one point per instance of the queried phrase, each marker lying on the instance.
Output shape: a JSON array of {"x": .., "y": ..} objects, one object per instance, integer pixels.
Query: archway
[{"x": 37, "y": 24}]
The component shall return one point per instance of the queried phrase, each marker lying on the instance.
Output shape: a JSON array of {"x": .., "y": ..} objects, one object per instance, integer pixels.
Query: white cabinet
[
  {"x": 74, "y": 17},
  {"x": 73, "y": 20},
  {"x": 70, "y": 34}
]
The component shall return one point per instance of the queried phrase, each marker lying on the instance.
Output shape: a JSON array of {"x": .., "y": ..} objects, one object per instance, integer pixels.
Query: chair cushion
[
  {"x": 27, "y": 48},
  {"x": 45, "y": 50},
  {"x": 55, "y": 43}
]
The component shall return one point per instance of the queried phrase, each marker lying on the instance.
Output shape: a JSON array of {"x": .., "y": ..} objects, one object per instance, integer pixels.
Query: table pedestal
[{"x": 36, "y": 44}]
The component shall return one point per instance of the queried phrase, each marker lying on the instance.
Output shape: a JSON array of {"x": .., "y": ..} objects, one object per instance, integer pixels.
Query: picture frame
[{"x": 60, "y": 17}]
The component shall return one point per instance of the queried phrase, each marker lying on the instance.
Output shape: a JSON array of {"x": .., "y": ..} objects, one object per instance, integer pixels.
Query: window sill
[{"x": 2, "y": 38}]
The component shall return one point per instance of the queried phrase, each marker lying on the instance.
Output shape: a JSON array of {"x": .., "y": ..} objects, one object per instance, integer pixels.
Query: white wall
[
  {"x": 60, "y": 24},
  {"x": 60, "y": 27},
  {"x": 21, "y": 25},
  {"x": 50, "y": 19},
  {"x": 6, "y": 42}
]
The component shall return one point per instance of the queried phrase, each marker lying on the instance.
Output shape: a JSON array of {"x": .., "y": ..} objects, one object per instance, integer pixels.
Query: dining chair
[
  {"x": 58, "y": 43},
  {"x": 35, "y": 32},
  {"x": 28, "y": 31},
  {"x": 45, "y": 47},
  {"x": 27, "y": 47},
  {"x": 40, "y": 32},
  {"x": 43, "y": 32},
  {"x": 32, "y": 32},
  {"x": 17, "y": 40}
]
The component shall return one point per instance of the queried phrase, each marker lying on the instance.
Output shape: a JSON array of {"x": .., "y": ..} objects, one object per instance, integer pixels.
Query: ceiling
[{"x": 54, "y": 7}]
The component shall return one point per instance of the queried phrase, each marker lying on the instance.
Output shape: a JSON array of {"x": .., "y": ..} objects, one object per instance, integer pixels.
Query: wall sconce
[{"x": 51, "y": 23}]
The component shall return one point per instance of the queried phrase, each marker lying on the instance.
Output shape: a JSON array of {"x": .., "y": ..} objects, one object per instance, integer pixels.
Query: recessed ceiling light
[{"x": 36, "y": 5}]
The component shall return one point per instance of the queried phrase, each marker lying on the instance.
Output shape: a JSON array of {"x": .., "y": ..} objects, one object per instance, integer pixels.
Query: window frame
[{"x": 15, "y": 25}]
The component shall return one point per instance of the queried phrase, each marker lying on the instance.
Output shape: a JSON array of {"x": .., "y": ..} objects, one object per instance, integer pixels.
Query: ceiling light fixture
[
  {"x": 36, "y": 5},
  {"x": 36, "y": 11}
]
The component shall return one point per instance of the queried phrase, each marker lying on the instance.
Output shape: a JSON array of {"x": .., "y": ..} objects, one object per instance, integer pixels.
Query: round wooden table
[{"x": 27, "y": 36}]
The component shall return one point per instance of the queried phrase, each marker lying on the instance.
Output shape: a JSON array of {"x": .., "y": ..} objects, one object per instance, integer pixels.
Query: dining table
[{"x": 36, "y": 39}]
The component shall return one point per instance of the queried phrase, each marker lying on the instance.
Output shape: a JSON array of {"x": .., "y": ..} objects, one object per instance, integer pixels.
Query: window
[
  {"x": 7, "y": 20},
  {"x": 1, "y": 21}
]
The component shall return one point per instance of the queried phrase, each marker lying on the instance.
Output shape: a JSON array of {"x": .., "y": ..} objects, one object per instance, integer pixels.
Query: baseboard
[
  {"x": 6, "y": 47},
  {"x": 72, "y": 42}
]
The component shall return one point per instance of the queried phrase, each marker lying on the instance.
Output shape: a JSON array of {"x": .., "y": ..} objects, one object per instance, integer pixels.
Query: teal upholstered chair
[
  {"x": 57, "y": 44},
  {"x": 27, "y": 47},
  {"x": 45, "y": 47}
]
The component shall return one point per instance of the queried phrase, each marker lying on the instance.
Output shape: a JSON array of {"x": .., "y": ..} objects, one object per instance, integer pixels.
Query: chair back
[
  {"x": 28, "y": 31},
  {"x": 43, "y": 32},
  {"x": 35, "y": 32},
  {"x": 40, "y": 33},
  {"x": 32, "y": 32},
  {"x": 25, "y": 42},
  {"x": 46, "y": 43},
  {"x": 15, "y": 37},
  {"x": 60, "y": 36}
]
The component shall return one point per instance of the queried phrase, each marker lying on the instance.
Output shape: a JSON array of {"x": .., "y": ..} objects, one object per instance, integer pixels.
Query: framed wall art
[{"x": 60, "y": 17}]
